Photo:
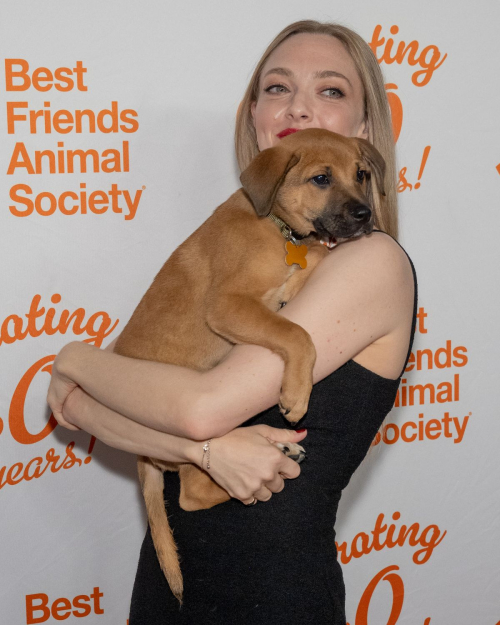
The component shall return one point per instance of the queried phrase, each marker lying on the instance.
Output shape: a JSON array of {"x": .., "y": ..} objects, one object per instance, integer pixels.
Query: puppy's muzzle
[
  {"x": 350, "y": 219},
  {"x": 359, "y": 212}
]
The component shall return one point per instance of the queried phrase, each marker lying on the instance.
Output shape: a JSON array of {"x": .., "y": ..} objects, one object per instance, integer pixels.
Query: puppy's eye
[
  {"x": 361, "y": 175},
  {"x": 321, "y": 180}
]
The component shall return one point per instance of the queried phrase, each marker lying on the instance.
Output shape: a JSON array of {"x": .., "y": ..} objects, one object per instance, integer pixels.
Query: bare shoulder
[
  {"x": 372, "y": 270},
  {"x": 376, "y": 258},
  {"x": 384, "y": 270},
  {"x": 360, "y": 299}
]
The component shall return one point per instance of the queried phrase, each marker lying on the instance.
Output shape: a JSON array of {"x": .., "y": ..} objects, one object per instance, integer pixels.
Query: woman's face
[{"x": 309, "y": 81}]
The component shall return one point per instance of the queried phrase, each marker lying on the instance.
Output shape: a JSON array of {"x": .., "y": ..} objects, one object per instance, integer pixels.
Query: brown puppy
[{"x": 224, "y": 284}]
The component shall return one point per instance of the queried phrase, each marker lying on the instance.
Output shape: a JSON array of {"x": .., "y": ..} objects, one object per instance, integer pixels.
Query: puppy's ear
[
  {"x": 375, "y": 161},
  {"x": 264, "y": 176}
]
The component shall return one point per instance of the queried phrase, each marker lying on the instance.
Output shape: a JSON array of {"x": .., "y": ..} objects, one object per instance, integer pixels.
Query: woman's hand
[
  {"x": 247, "y": 464},
  {"x": 60, "y": 388}
]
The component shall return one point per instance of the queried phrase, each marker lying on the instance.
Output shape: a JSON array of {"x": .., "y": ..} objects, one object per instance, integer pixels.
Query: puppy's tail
[{"x": 151, "y": 479}]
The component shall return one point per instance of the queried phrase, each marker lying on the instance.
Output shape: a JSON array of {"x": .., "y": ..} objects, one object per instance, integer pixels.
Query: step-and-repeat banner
[{"x": 116, "y": 143}]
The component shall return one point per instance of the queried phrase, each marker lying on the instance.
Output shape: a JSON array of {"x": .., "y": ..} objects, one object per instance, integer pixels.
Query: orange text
[
  {"x": 38, "y": 610},
  {"x": 429, "y": 58},
  {"x": 40, "y": 320},
  {"x": 97, "y": 202},
  {"x": 411, "y": 431},
  {"x": 441, "y": 358},
  {"x": 388, "y": 536},
  {"x": 45, "y": 120},
  {"x": 17, "y": 77},
  {"x": 409, "y": 395},
  {"x": 63, "y": 161},
  {"x": 398, "y": 593},
  {"x": 36, "y": 467}
]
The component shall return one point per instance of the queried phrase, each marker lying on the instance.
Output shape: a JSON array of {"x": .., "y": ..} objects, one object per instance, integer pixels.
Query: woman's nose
[{"x": 299, "y": 107}]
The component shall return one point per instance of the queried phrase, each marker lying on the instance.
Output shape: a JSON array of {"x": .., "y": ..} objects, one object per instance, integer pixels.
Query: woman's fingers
[
  {"x": 281, "y": 435},
  {"x": 267, "y": 490},
  {"x": 263, "y": 494},
  {"x": 288, "y": 468},
  {"x": 276, "y": 485},
  {"x": 60, "y": 388},
  {"x": 247, "y": 463}
]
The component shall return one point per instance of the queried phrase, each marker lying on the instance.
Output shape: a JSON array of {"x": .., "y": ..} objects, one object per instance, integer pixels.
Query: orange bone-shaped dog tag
[{"x": 296, "y": 254}]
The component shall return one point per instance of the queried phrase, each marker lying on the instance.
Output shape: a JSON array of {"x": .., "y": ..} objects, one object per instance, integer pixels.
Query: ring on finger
[{"x": 252, "y": 503}]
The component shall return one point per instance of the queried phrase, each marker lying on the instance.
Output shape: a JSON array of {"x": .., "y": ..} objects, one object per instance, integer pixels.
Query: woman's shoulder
[
  {"x": 375, "y": 274},
  {"x": 378, "y": 243},
  {"x": 374, "y": 259},
  {"x": 362, "y": 292}
]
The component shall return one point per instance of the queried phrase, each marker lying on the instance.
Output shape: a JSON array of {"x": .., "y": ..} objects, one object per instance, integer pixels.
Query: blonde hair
[{"x": 377, "y": 112}]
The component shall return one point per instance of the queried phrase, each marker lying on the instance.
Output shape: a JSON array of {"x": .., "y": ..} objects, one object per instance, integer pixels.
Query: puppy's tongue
[{"x": 329, "y": 242}]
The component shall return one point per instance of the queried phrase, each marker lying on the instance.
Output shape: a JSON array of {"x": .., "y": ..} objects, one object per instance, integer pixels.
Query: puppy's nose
[{"x": 360, "y": 212}]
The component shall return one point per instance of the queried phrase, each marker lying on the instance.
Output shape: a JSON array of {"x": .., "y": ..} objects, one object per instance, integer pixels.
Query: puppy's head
[{"x": 318, "y": 182}]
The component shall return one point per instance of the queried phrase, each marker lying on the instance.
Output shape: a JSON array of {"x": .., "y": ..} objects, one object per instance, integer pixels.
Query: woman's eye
[
  {"x": 321, "y": 180},
  {"x": 361, "y": 175},
  {"x": 333, "y": 92},
  {"x": 276, "y": 89}
]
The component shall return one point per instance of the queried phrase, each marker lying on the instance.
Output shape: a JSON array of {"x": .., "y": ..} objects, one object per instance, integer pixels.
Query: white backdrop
[{"x": 71, "y": 516}]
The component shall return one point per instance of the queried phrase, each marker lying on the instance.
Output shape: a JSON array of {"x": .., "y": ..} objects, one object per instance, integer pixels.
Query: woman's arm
[
  {"x": 85, "y": 413},
  {"x": 358, "y": 296},
  {"x": 243, "y": 462}
]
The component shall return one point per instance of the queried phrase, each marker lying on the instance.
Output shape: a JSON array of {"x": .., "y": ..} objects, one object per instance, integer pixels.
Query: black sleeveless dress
[{"x": 274, "y": 563}]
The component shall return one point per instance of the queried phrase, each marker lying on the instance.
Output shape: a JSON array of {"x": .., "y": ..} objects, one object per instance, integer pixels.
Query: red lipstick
[{"x": 287, "y": 131}]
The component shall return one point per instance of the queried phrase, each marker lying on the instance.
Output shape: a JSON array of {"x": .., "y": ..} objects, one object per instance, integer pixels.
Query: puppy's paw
[
  {"x": 293, "y": 451},
  {"x": 297, "y": 382},
  {"x": 293, "y": 410}
]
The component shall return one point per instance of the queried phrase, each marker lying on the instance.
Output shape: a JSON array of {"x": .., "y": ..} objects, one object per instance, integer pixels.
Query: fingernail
[{"x": 301, "y": 430}]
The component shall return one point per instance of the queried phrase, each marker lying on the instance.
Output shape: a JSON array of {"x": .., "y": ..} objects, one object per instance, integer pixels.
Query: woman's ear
[
  {"x": 363, "y": 130},
  {"x": 253, "y": 106}
]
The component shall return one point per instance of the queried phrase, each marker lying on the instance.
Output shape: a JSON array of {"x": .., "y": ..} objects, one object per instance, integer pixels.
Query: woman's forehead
[{"x": 311, "y": 53}]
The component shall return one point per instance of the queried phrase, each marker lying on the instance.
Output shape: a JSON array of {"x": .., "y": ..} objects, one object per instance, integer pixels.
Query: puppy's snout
[{"x": 360, "y": 212}]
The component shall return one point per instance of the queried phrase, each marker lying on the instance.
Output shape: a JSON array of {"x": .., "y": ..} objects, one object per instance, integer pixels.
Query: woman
[{"x": 273, "y": 563}]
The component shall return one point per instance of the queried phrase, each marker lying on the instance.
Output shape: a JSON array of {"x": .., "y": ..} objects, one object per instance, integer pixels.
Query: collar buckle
[{"x": 286, "y": 231}]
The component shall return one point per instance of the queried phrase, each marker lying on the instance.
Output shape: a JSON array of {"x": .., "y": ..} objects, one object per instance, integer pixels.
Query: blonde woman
[{"x": 274, "y": 562}]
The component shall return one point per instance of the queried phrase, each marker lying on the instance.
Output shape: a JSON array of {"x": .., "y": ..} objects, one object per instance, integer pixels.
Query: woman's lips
[{"x": 287, "y": 131}]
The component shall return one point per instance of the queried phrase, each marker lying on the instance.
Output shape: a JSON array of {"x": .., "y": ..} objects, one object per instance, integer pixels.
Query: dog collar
[
  {"x": 295, "y": 253},
  {"x": 285, "y": 229}
]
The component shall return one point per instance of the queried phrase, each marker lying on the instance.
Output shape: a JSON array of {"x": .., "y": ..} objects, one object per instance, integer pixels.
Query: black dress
[{"x": 274, "y": 563}]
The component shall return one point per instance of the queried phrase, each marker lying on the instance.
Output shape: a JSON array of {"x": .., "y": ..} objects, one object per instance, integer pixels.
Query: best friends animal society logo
[{"x": 57, "y": 158}]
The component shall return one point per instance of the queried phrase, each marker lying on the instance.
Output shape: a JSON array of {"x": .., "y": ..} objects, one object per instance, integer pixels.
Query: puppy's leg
[
  {"x": 198, "y": 490},
  {"x": 244, "y": 319}
]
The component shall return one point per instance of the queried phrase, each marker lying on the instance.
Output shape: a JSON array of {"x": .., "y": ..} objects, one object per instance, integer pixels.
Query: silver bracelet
[{"x": 206, "y": 452}]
